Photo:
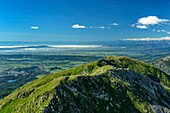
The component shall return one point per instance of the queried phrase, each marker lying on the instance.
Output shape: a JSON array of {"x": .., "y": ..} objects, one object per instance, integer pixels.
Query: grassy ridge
[
  {"x": 138, "y": 66},
  {"x": 35, "y": 95}
]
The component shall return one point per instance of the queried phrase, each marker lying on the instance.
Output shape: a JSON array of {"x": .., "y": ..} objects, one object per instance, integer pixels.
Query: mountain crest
[{"x": 113, "y": 84}]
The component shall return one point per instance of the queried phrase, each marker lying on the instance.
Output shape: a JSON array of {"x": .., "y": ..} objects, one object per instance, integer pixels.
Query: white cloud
[
  {"x": 141, "y": 26},
  {"x": 78, "y": 26},
  {"x": 75, "y": 46},
  {"x": 34, "y": 27},
  {"x": 148, "y": 39},
  {"x": 101, "y": 27},
  {"x": 115, "y": 24},
  {"x": 167, "y": 32},
  {"x": 133, "y": 25},
  {"x": 144, "y": 22},
  {"x": 163, "y": 30},
  {"x": 151, "y": 20}
]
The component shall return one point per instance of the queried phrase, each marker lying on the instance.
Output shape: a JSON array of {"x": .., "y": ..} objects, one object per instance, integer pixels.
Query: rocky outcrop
[{"x": 117, "y": 90}]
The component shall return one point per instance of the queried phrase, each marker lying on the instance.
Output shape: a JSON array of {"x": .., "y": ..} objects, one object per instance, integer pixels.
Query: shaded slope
[
  {"x": 110, "y": 92},
  {"x": 138, "y": 66},
  {"x": 163, "y": 64},
  {"x": 111, "y": 84}
]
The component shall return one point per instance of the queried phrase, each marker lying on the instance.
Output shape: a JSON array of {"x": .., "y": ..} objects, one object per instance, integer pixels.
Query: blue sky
[{"x": 83, "y": 20}]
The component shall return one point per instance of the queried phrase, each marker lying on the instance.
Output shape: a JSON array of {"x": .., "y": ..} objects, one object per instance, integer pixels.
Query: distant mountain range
[
  {"x": 154, "y": 47},
  {"x": 112, "y": 84},
  {"x": 105, "y": 43}
]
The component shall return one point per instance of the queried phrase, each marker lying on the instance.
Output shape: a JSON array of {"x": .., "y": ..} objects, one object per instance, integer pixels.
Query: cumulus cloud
[
  {"x": 115, "y": 24},
  {"x": 141, "y": 26},
  {"x": 148, "y": 39},
  {"x": 145, "y": 22},
  {"x": 151, "y": 20},
  {"x": 34, "y": 27},
  {"x": 78, "y": 26}
]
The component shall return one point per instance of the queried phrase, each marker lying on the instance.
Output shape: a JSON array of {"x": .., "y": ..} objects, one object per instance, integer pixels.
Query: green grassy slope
[{"x": 77, "y": 86}]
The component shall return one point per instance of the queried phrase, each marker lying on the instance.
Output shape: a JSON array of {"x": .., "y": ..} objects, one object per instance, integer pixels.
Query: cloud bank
[
  {"x": 75, "y": 46},
  {"x": 148, "y": 39}
]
